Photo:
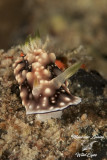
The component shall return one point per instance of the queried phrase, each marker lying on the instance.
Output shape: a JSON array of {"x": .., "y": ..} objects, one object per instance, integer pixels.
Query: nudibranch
[{"x": 43, "y": 86}]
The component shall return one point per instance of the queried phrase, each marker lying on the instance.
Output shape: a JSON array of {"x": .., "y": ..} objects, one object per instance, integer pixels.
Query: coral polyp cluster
[{"x": 43, "y": 86}]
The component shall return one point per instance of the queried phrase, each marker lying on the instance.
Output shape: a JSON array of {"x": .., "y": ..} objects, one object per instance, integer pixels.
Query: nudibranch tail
[{"x": 60, "y": 79}]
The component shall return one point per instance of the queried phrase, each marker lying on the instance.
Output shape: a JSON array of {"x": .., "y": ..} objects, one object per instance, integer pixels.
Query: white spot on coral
[
  {"x": 51, "y": 108},
  {"x": 52, "y": 98},
  {"x": 48, "y": 91},
  {"x": 41, "y": 81},
  {"x": 36, "y": 73},
  {"x": 67, "y": 99},
  {"x": 30, "y": 107},
  {"x": 42, "y": 67},
  {"x": 20, "y": 80},
  {"x": 17, "y": 77},
  {"x": 44, "y": 104},
  {"x": 21, "y": 94},
  {"x": 37, "y": 69},
  {"x": 23, "y": 103},
  {"x": 63, "y": 90},
  {"x": 46, "y": 82},
  {"x": 44, "y": 98},
  {"x": 62, "y": 104},
  {"x": 53, "y": 101}
]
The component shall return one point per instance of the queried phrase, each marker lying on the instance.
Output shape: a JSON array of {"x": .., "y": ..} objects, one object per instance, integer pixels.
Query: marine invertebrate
[{"x": 43, "y": 86}]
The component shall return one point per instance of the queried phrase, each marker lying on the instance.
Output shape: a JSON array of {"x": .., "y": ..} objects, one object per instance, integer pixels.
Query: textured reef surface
[{"x": 81, "y": 132}]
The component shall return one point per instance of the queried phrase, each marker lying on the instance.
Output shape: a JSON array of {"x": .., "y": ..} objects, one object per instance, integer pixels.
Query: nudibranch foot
[
  {"x": 43, "y": 86},
  {"x": 46, "y": 116}
]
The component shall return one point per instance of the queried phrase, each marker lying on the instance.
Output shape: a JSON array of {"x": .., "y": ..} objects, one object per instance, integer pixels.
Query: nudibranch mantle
[{"x": 43, "y": 86}]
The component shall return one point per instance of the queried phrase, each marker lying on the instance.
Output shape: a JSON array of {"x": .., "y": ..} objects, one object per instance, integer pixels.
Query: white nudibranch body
[{"x": 43, "y": 87}]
